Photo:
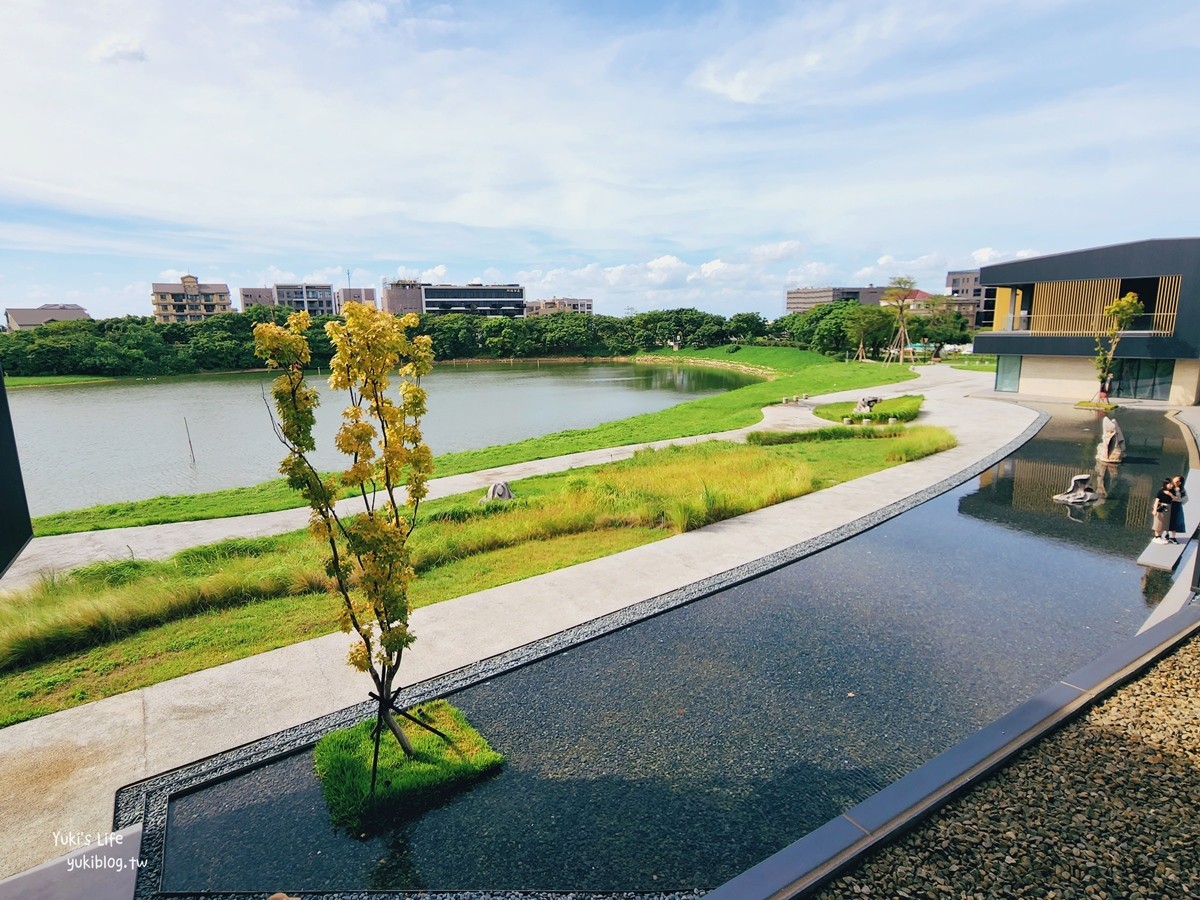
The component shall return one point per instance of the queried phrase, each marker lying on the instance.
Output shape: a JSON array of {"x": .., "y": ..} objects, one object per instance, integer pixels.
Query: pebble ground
[{"x": 1107, "y": 806}]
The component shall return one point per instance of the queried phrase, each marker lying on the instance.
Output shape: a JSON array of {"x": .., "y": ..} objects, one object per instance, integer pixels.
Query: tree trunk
[{"x": 394, "y": 726}]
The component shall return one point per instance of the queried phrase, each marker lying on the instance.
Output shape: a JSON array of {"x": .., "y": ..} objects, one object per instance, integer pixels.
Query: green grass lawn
[
  {"x": 92, "y": 633},
  {"x": 795, "y": 372}
]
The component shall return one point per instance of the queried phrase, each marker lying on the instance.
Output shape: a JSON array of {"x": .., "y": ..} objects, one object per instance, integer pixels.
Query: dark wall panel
[{"x": 15, "y": 529}]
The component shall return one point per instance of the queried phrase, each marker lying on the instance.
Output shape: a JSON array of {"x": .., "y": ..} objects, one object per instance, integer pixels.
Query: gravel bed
[{"x": 1108, "y": 806}]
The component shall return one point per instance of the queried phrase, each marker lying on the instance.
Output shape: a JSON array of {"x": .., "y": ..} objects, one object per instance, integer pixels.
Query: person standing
[
  {"x": 1160, "y": 509},
  {"x": 1176, "y": 525}
]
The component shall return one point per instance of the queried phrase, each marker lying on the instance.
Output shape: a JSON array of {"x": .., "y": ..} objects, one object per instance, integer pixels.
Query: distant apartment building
[
  {"x": 315, "y": 299},
  {"x": 964, "y": 284},
  {"x": 557, "y": 304},
  {"x": 25, "y": 319},
  {"x": 342, "y": 296},
  {"x": 249, "y": 297},
  {"x": 188, "y": 300},
  {"x": 802, "y": 299},
  {"x": 402, "y": 296}
]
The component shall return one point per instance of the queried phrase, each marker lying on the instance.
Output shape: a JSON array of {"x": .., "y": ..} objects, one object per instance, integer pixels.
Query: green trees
[
  {"x": 1119, "y": 315},
  {"x": 389, "y": 466}
]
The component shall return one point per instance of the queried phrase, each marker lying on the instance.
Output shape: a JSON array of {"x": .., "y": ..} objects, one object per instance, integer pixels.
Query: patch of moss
[{"x": 404, "y": 787}]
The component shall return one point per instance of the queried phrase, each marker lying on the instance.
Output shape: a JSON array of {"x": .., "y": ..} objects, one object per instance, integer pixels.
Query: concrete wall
[
  {"x": 1185, "y": 386},
  {"x": 1067, "y": 377}
]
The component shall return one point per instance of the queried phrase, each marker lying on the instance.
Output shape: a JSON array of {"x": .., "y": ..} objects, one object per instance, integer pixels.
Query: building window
[
  {"x": 1008, "y": 374},
  {"x": 1143, "y": 379}
]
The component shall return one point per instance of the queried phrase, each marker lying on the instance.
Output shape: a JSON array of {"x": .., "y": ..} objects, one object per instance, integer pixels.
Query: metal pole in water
[{"x": 188, "y": 432}]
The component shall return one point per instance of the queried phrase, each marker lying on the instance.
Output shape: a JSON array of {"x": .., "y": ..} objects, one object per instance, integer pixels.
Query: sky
[{"x": 646, "y": 155}]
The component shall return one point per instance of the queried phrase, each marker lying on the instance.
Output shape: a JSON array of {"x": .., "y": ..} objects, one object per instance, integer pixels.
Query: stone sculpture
[
  {"x": 1079, "y": 493},
  {"x": 1111, "y": 448},
  {"x": 498, "y": 491},
  {"x": 865, "y": 404}
]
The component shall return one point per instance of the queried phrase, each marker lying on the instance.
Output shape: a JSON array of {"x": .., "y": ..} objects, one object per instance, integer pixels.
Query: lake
[{"x": 127, "y": 440}]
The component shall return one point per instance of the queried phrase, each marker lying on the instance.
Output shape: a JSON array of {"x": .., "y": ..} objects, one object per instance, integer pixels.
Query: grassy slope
[
  {"x": 215, "y": 636},
  {"x": 795, "y": 371}
]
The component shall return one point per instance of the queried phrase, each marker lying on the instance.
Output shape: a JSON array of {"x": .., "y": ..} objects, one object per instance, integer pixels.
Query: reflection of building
[
  {"x": 188, "y": 300},
  {"x": 24, "y": 319},
  {"x": 1050, "y": 308},
  {"x": 557, "y": 304},
  {"x": 1018, "y": 492}
]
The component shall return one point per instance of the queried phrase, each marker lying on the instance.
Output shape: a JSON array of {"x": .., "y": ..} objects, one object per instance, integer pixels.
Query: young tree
[
  {"x": 368, "y": 561},
  {"x": 1120, "y": 315},
  {"x": 868, "y": 328},
  {"x": 896, "y": 299}
]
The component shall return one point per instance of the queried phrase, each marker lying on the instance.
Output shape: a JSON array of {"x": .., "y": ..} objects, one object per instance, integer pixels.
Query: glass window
[{"x": 1008, "y": 373}]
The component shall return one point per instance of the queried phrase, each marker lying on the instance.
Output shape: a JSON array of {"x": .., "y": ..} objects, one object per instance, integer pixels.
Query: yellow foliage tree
[{"x": 389, "y": 467}]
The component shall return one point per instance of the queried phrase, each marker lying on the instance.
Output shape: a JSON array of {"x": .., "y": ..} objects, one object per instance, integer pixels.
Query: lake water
[{"x": 126, "y": 440}]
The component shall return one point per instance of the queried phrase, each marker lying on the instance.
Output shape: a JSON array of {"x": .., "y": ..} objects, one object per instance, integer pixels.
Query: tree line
[{"x": 135, "y": 345}]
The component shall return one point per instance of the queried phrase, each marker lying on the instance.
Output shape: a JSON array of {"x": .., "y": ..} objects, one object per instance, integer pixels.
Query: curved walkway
[{"x": 59, "y": 773}]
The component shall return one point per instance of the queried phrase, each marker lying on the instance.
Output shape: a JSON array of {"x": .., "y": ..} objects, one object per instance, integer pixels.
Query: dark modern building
[
  {"x": 474, "y": 299},
  {"x": 1049, "y": 310}
]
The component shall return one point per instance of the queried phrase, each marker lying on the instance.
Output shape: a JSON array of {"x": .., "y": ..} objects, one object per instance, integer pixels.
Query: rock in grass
[{"x": 404, "y": 787}]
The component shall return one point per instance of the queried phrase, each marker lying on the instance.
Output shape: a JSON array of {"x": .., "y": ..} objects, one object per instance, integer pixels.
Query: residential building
[
  {"x": 24, "y": 319},
  {"x": 315, "y": 299},
  {"x": 492, "y": 300},
  {"x": 962, "y": 284},
  {"x": 188, "y": 300},
  {"x": 1049, "y": 310},
  {"x": 557, "y": 304},
  {"x": 263, "y": 296},
  {"x": 402, "y": 296},
  {"x": 342, "y": 296},
  {"x": 802, "y": 299}
]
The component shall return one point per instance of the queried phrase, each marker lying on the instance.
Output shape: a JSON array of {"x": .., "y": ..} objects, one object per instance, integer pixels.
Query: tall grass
[{"x": 661, "y": 492}]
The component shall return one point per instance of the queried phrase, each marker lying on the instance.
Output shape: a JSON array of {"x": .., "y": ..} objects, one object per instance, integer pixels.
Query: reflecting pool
[{"x": 679, "y": 751}]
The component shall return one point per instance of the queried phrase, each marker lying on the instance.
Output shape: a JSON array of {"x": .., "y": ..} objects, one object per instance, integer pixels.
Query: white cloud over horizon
[{"x": 709, "y": 159}]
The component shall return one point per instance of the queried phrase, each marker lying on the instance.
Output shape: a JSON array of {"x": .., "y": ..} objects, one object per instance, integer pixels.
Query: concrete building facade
[
  {"x": 1049, "y": 310},
  {"x": 342, "y": 296},
  {"x": 402, "y": 296},
  {"x": 963, "y": 284},
  {"x": 802, "y": 299},
  {"x": 557, "y": 304},
  {"x": 315, "y": 299},
  {"x": 188, "y": 300}
]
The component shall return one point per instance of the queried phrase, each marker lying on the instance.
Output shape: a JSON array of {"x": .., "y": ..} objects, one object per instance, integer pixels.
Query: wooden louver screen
[{"x": 1077, "y": 307}]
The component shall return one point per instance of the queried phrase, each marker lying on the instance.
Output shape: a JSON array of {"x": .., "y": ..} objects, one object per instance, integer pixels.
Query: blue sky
[{"x": 646, "y": 155}]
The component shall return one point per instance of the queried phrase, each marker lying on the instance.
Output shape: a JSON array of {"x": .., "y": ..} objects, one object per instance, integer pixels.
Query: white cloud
[
  {"x": 118, "y": 49},
  {"x": 778, "y": 251},
  {"x": 925, "y": 268},
  {"x": 810, "y": 274}
]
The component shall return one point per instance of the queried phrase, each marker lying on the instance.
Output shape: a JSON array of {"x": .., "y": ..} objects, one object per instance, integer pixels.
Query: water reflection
[{"x": 1017, "y": 492}]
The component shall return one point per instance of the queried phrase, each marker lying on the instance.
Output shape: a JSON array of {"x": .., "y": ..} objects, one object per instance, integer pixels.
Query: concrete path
[{"x": 59, "y": 773}]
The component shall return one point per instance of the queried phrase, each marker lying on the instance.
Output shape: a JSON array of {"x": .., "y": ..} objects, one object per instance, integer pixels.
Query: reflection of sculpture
[
  {"x": 865, "y": 404},
  {"x": 1111, "y": 448},
  {"x": 1080, "y": 492}
]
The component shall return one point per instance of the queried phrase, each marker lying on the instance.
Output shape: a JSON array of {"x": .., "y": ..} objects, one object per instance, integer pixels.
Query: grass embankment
[
  {"x": 90, "y": 634},
  {"x": 19, "y": 381},
  {"x": 903, "y": 409},
  {"x": 403, "y": 787},
  {"x": 796, "y": 372}
]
